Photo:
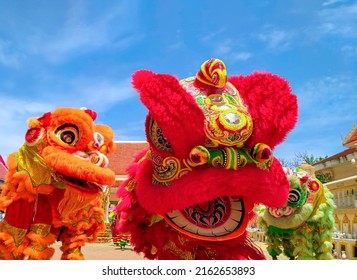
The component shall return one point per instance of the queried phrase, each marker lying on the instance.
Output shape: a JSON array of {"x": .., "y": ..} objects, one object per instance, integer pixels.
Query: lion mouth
[
  {"x": 223, "y": 218},
  {"x": 80, "y": 184},
  {"x": 280, "y": 212}
]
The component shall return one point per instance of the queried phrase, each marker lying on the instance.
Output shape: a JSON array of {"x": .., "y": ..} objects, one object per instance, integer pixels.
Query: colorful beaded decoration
[{"x": 228, "y": 120}]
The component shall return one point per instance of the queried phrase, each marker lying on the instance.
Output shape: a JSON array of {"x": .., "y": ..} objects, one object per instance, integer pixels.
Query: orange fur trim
[
  {"x": 75, "y": 254},
  {"x": 5, "y": 253},
  {"x": 34, "y": 254},
  {"x": 8, "y": 249},
  {"x": 40, "y": 239},
  {"x": 38, "y": 248},
  {"x": 34, "y": 123},
  {"x": 20, "y": 187},
  {"x": 73, "y": 201},
  {"x": 71, "y": 247}
]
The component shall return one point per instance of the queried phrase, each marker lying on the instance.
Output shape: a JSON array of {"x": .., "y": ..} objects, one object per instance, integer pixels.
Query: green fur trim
[{"x": 276, "y": 230}]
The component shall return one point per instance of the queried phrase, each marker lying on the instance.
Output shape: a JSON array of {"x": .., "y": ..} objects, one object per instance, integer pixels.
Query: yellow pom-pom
[
  {"x": 199, "y": 155},
  {"x": 261, "y": 153}
]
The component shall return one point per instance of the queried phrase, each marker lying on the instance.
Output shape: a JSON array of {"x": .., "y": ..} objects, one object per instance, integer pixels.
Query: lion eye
[
  {"x": 68, "y": 134},
  {"x": 295, "y": 198},
  {"x": 99, "y": 138}
]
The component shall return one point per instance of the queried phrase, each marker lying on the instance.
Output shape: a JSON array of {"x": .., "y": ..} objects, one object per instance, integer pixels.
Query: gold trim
[
  {"x": 17, "y": 233},
  {"x": 41, "y": 229}
]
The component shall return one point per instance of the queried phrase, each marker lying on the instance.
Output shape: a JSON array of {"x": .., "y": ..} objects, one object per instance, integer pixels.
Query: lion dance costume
[
  {"x": 191, "y": 194},
  {"x": 53, "y": 186},
  {"x": 301, "y": 229}
]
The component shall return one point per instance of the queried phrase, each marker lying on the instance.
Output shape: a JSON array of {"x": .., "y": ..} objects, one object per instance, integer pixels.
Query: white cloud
[
  {"x": 349, "y": 50},
  {"x": 341, "y": 20},
  {"x": 100, "y": 94},
  {"x": 14, "y": 114},
  {"x": 331, "y": 2},
  {"x": 241, "y": 56},
  {"x": 326, "y": 111},
  {"x": 212, "y": 36},
  {"x": 74, "y": 29},
  {"x": 131, "y": 131},
  {"x": 81, "y": 38},
  {"x": 275, "y": 38},
  {"x": 231, "y": 51}
]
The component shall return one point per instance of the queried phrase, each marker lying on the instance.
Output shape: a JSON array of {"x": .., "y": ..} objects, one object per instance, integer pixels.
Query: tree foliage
[
  {"x": 310, "y": 159},
  {"x": 300, "y": 158}
]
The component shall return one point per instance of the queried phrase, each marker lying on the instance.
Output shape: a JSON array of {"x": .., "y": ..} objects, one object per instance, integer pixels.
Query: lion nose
[{"x": 99, "y": 159}]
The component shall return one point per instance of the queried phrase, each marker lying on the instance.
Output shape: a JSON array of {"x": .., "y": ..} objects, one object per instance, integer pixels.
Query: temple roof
[
  {"x": 124, "y": 154},
  {"x": 351, "y": 139}
]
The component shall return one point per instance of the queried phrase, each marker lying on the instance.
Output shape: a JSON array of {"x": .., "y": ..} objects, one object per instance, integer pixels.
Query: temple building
[
  {"x": 124, "y": 154},
  {"x": 340, "y": 172}
]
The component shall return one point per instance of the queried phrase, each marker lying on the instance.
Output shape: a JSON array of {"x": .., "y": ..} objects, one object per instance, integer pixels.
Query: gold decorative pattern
[
  {"x": 182, "y": 254},
  {"x": 157, "y": 137},
  {"x": 41, "y": 229},
  {"x": 228, "y": 121},
  {"x": 169, "y": 168},
  {"x": 17, "y": 233}
]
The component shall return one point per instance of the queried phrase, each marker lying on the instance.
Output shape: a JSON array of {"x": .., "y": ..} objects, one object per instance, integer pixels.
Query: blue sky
[{"x": 83, "y": 53}]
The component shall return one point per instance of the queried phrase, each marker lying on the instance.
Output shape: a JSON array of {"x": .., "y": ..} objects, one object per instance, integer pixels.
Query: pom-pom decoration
[
  {"x": 33, "y": 135},
  {"x": 213, "y": 74},
  {"x": 314, "y": 186},
  {"x": 199, "y": 155}
]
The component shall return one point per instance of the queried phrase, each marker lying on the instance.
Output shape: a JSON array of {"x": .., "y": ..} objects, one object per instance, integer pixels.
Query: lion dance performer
[
  {"x": 191, "y": 194},
  {"x": 53, "y": 187},
  {"x": 301, "y": 229},
  {"x": 119, "y": 238}
]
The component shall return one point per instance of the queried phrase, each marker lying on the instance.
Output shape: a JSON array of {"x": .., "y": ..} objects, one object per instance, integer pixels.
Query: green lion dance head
[{"x": 303, "y": 227}]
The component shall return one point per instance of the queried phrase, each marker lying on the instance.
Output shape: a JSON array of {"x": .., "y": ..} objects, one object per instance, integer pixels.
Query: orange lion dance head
[{"x": 54, "y": 184}]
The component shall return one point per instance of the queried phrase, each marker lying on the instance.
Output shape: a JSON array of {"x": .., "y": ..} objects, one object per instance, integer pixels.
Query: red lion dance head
[{"x": 191, "y": 194}]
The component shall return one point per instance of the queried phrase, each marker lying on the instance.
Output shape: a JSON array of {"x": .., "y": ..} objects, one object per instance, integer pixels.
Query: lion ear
[
  {"x": 272, "y": 105},
  {"x": 173, "y": 108},
  {"x": 38, "y": 122}
]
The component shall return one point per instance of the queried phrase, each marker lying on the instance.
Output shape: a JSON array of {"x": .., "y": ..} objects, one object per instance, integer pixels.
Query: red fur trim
[
  {"x": 269, "y": 187},
  {"x": 273, "y": 107},
  {"x": 139, "y": 78}
]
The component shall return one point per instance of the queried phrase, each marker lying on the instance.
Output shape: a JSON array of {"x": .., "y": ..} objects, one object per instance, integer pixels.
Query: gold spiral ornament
[{"x": 212, "y": 74}]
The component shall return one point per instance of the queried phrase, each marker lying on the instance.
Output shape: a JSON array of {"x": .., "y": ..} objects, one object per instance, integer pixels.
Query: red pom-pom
[
  {"x": 33, "y": 135},
  {"x": 92, "y": 114},
  {"x": 314, "y": 186}
]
